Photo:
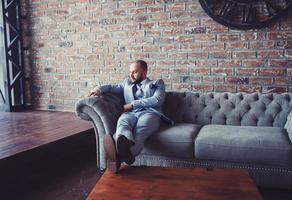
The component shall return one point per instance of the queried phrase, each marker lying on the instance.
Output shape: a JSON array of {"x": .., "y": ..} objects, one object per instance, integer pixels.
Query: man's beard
[{"x": 139, "y": 80}]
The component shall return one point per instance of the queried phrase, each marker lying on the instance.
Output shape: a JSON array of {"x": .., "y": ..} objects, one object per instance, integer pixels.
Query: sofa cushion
[
  {"x": 173, "y": 141},
  {"x": 237, "y": 109},
  {"x": 257, "y": 145},
  {"x": 288, "y": 125}
]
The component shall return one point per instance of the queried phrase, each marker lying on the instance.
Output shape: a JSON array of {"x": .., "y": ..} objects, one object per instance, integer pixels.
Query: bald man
[{"x": 141, "y": 117}]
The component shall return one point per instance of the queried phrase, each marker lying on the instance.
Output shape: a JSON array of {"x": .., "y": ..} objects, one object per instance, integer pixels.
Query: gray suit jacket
[{"x": 154, "y": 95}]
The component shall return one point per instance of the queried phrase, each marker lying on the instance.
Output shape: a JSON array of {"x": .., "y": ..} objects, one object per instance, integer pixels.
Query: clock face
[{"x": 245, "y": 14}]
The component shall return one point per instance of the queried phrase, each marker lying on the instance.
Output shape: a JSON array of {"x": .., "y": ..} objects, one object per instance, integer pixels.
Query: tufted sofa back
[{"x": 239, "y": 109}]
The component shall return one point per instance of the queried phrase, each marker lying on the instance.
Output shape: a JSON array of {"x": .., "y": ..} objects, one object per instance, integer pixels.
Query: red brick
[
  {"x": 212, "y": 46},
  {"x": 182, "y": 86},
  {"x": 138, "y": 11},
  {"x": 205, "y": 38},
  {"x": 151, "y": 48},
  {"x": 222, "y": 72},
  {"x": 237, "y": 80},
  {"x": 188, "y": 63},
  {"x": 178, "y": 55},
  {"x": 160, "y": 16},
  {"x": 236, "y": 45},
  {"x": 253, "y": 36},
  {"x": 261, "y": 80},
  {"x": 206, "y": 63},
  {"x": 201, "y": 71},
  {"x": 179, "y": 70},
  {"x": 270, "y": 54},
  {"x": 275, "y": 89},
  {"x": 229, "y": 63},
  {"x": 283, "y": 81},
  {"x": 249, "y": 89},
  {"x": 172, "y": 31},
  {"x": 272, "y": 72},
  {"x": 165, "y": 63},
  {"x": 243, "y": 54},
  {"x": 280, "y": 35},
  {"x": 181, "y": 14},
  {"x": 147, "y": 25},
  {"x": 228, "y": 37},
  {"x": 281, "y": 63},
  {"x": 157, "y": 55},
  {"x": 253, "y": 63},
  {"x": 212, "y": 79},
  {"x": 153, "y": 9},
  {"x": 167, "y": 48},
  {"x": 153, "y": 32},
  {"x": 246, "y": 72},
  {"x": 220, "y": 55},
  {"x": 189, "y": 22},
  {"x": 175, "y": 7},
  {"x": 183, "y": 39},
  {"x": 168, "y": 24},
  {"x": 206, "y": 88},
  {"x": 288, "y": 53},
  {"x": 225, "y": 88},
  {"x": 198, "y": 55},
  {"x": 190, "y": 46},
  {"x": 126, "y": 4},
  {"x": 262, "y": 45},
  {"x": 145, "y": 2}
]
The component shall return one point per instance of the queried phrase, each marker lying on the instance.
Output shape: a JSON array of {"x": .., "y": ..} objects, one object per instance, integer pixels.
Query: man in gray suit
[{"x": 142, "y": 113}]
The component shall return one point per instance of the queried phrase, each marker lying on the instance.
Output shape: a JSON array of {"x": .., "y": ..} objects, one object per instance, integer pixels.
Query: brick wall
[{"x": 71, "y": 45}]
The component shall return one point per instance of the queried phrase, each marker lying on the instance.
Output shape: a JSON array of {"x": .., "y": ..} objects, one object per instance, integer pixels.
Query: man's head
[{"x": 138, "y": 71}]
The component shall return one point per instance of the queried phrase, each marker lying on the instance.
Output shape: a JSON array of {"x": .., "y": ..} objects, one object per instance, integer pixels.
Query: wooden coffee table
[{"x": 175, "y": 183}]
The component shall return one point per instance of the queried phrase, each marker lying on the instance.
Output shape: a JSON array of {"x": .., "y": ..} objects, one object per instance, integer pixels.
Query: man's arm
[
  {"x": 115, "y": 88},
  {"x": 152, "y": 102}
]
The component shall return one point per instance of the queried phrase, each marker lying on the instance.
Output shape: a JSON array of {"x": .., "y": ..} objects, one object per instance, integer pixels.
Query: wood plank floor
[{"x": 23, "y": 131}]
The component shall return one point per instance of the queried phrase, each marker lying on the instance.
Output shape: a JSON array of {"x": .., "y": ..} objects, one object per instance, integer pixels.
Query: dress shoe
[
  {"x": 123, "y": 149},
  {"x": 113, "y": 162}
]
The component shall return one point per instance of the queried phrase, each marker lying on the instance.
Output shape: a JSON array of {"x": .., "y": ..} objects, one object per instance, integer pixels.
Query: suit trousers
[{"x": 137, "y": 127}]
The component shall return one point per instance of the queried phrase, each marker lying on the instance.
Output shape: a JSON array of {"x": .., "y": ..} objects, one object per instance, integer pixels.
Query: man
[{"x": 142, "y": 112}]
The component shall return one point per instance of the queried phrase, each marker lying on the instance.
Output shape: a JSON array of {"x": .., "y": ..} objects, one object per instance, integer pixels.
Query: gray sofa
[{"x": 220, "y": 130}]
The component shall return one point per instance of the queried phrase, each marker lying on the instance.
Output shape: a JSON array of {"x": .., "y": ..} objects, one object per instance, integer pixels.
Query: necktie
[{"x": 137, "y": 91}]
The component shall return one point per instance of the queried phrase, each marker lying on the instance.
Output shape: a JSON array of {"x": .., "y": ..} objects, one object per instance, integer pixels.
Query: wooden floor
[{"x": 23, "y": 131}]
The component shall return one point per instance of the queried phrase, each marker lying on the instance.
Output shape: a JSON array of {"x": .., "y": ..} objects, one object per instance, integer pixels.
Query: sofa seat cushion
[
  {"x": 173, "y": 141},
  {"x": 248, "y": 144}
]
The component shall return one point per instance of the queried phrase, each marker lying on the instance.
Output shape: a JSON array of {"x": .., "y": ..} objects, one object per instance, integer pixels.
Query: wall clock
[{"x": 246, "y": 14}]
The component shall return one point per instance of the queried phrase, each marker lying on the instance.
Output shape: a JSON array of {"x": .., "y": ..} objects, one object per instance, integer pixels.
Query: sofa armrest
[
  {"x": 103, "y": 112},
  {"x": 108, "y": 108}
]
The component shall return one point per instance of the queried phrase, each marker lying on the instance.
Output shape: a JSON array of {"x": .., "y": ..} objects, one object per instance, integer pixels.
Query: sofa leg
[{"x": 210, "y": 169}]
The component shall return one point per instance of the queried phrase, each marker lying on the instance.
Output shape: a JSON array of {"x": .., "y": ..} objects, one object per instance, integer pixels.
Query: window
[{"x": 11, "y": 69}]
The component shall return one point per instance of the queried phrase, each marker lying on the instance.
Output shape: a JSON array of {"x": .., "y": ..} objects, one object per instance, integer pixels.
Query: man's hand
[
  {"x": 128, "y": 107},
  {"x": 95, "y": 93}
]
